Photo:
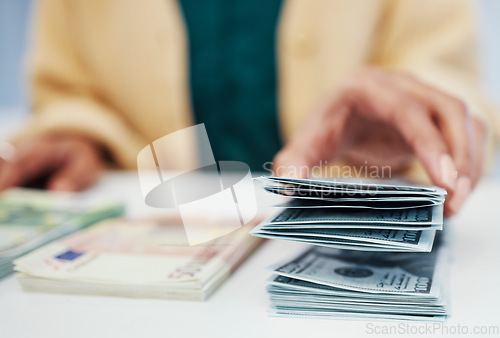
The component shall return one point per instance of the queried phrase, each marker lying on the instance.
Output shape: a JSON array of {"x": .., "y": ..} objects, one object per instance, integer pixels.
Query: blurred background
[
  {"x": 14, "y": 30},
  {"x": 14, "y": 33}
]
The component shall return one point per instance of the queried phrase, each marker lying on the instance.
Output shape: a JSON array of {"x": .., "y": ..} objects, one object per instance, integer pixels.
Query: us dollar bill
[
  {"x": 367, "y": 216},
  {"x": 417, "y": 216},
  {"x": 355, "y": 239},
  {"x": 388, "y": 273}
]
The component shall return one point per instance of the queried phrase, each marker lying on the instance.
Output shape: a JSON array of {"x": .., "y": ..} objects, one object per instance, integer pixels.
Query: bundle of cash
[
  {"x": 355, "y": 216},
  {"x": 134, "y": 258},
  {"x": 30, "y": 218},
  {"x": 326, "y": 282}
]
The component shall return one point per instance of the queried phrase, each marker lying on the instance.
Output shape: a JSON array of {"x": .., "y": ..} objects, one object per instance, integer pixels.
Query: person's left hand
[{"x": 57, "y": 162}]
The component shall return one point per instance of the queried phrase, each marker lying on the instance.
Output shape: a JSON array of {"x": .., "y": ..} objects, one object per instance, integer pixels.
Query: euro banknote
[
  {"x": 31, "y": 218},
  {"x": 135, "y": 258}
]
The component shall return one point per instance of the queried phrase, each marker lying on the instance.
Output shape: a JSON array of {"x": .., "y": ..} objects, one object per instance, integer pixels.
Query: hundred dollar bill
[
  {"x": 373, "y": 216},
  {"x": 349, "y": 315},
  {"x": 344, "y": 284},
  {"x": 354, "y": 193},
  {"x": 355, "y": 239},
  {"x": 281, "y": 285},
  {"x": 358, "y": 185},
  {"x": 411, "y": 217},
  {"x": 393, "y": 273},
  {"x": 332, "y": 194},
  {"x": 374, "y": 308},
  {"x": 382, "y": 203},
  {"x": 425, "y": 218}
]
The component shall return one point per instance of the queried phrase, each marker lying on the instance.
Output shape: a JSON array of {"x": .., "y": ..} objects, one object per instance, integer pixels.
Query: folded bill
[
  {"x": 31, "y": 218},
  {"x": 324, "y": 282},
  {"x": 369, "y": 186},
  {"x": 354, "y": 239},
  {"x": 375, "y": 216},
  {"x": 134, "y": 258},
  {"x": 423, "y": 217},
  {"x": 383, "y": 203}
]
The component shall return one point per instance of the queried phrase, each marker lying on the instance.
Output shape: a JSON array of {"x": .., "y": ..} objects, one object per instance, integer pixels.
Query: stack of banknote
[
  {"x": 326, "y": 282},
  {"x": 353, "y": 215},
  {"x": 30, "y": 218},
  {"x": 134, "y": 258}
]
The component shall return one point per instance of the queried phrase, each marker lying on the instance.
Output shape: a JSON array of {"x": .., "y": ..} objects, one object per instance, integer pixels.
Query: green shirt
[{"x": 232, "y": 65}]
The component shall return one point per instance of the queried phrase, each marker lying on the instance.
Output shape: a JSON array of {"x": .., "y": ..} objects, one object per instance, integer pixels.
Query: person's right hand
[
  {"x": 66, "y": 162},
  {"x": 383, "y": 118}
]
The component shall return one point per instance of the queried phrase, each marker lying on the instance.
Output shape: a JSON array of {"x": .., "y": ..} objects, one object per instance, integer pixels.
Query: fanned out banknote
[
  {"x": 134, "y": 258},
  {"x": 333, "y": 283},
  {"x": 376, "y": 216},
  {"x": 31, "y": 218}
]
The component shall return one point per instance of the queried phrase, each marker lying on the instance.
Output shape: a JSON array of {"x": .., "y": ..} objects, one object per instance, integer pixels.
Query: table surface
[{"x": 238, "y": 307}]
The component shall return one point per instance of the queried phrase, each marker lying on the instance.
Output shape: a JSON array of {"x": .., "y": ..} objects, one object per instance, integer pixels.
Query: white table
[{"x": 238, "y": 307}]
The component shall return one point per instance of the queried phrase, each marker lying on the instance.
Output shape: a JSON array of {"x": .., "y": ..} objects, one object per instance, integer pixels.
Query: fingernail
[
  {"x": 462, "y": 190},
  {"x": 448, "y": 171}
]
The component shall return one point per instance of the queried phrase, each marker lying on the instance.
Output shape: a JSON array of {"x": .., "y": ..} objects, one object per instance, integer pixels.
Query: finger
[
  {"x": 452, "y": 118},
  {"x": 31, "y": 161},
  {"x": 318, "y": 139},
  {"x": 465, "y": 184},
  {"x": 78, "y": 172},
  {"x": 427, "y": 143},
  {"x": 457, "y": 199},
  {"x": 393, "y": 105}
]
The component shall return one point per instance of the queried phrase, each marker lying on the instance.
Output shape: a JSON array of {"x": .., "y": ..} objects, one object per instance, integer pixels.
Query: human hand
[
  {"x": 66, "y": 162},
  {"x": 382, "y": 118}
]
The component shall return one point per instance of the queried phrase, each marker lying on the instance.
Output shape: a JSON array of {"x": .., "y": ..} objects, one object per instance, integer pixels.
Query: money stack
[
  {"x": 325, "y": 282},
  {"x": 355, "y": 216},
  {"x": 370, "y": 250},
  {"x": 134, "y": 258},
  {"x": 30, "y": 218}
]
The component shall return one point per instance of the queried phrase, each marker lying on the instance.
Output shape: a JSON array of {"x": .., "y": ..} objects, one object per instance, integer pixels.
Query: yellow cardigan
[{"x": 116, "y": 70}]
